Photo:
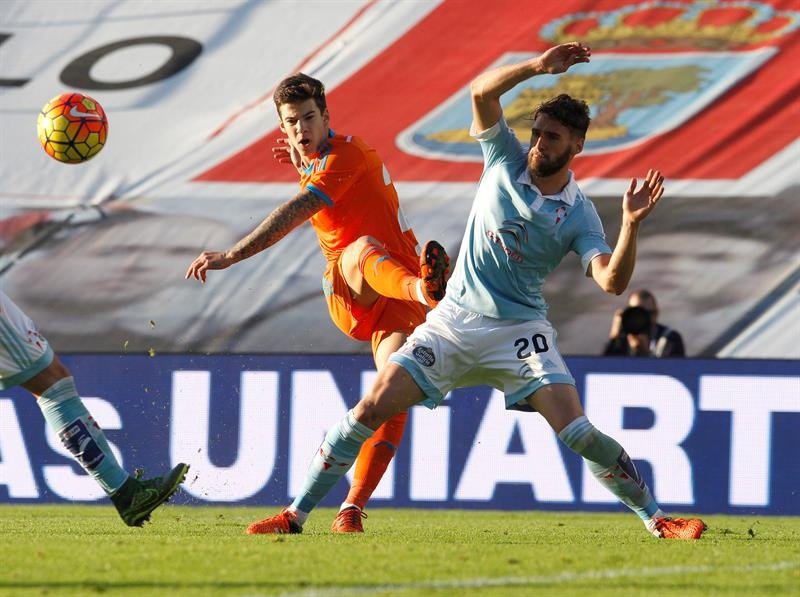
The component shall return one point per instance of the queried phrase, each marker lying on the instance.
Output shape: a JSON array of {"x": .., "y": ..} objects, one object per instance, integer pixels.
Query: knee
[
  {"x": 54, "y": 372},
  {"x": 374, "y": 409},
  {"x": 353, "y": 256},
  {"x": 367, "y": 412},
  {"x": 58, "y": 369},
  {"x": 362, "y": 243}
]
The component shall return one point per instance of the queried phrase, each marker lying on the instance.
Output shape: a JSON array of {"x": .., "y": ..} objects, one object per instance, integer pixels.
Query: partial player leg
[
  {"x": 66, "y": 414},
  {"x": 394, "y": 391},
  {"x": 333, "y": 459},
  {"x": 377, "y": 452},
  {"x": 373, "y": 460},
  {"x": 608, "y": 461},
  {"x": 370, "y": 270}
]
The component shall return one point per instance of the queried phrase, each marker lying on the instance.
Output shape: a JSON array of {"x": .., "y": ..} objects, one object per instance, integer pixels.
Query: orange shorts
[{"x": 374, "y": 323}]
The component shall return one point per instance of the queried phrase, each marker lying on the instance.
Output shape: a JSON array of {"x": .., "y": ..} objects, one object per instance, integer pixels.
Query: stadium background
[{"x": 96, "y": 253}]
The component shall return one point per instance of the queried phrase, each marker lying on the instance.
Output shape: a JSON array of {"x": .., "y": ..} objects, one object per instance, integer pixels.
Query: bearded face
[
  {"x": 542, "y": 165},
  {"x": 552, "y": 148}
]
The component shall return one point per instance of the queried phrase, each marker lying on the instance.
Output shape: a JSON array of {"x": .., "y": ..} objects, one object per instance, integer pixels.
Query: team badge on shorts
[{"x": 424, "y": 356}]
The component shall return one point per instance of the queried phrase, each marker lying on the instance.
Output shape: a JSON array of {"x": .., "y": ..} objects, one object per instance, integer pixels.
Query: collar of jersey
[
  {"x": 319, "y": 154},
  {"x": 567, "y": 194}
]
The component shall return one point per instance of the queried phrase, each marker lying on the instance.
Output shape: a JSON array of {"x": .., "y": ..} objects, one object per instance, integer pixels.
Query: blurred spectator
[{"x": 635, "y": 330}]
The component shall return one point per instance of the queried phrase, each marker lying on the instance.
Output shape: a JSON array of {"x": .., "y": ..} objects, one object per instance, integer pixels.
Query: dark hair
[
  {"x": 645, "y": 295},
  {"x": 636, "y": 320},
  {"x": 572, "y": 113},
  {"x": 298, "y": 88}
]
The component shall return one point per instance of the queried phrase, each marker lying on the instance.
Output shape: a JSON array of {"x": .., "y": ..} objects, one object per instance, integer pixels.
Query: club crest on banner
[{"x": 654, "y": 66}]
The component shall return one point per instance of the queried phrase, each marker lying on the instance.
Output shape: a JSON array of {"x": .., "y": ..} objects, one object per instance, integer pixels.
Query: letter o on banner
[{"x": 184, "y": 50}]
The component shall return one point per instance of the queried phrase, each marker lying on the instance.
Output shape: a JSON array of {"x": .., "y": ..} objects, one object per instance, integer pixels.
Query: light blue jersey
[{"x": 515, "y": 236}]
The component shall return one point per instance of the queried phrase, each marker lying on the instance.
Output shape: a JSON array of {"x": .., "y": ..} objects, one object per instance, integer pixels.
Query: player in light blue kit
[
  {"x": 27, "y": 360},
  {"x": 491, "y": 328}
]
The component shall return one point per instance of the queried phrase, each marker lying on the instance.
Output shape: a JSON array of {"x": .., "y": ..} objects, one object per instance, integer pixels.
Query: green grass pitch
[{"x": 87, "y": 550}]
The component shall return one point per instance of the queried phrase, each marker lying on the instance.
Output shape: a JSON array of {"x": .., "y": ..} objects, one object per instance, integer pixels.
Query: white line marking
[{"x": 522, "y": 581}]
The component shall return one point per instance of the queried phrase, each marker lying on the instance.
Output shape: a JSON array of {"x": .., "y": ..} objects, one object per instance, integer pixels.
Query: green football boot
[{"x": 137, "y": 497}]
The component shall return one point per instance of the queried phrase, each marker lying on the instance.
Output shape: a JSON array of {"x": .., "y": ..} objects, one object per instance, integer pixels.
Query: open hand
[
  {"x": 286, "y": 153},
  {"x": 559, "y": 58},
  {"x": 205, "y": 261},
  {"x": 637, "y": 204}
]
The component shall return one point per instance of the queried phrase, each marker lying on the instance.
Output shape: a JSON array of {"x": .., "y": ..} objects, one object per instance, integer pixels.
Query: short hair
[
  {"x": 572, "y": 113},
  {"x": 298, "y": 88},
  {"x": 644, "y": 295}
]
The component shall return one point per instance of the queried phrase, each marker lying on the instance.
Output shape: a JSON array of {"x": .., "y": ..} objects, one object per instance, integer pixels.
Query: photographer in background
[{"x": 635, "y": 331}]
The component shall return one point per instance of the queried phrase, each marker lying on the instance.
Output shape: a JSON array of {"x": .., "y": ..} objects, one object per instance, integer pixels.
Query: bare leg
[
  {"x": 377, "y": 452},
  {"x": 360, "y": 291},
  {"x": 55, "y": 371},
  {"x": 394, "y": 391},
  {"x": 558, "y": 404},
  {"x": 370, "y": 271}
]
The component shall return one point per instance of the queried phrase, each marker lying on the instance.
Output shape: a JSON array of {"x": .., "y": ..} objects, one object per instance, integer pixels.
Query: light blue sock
[
  {"x": 66, "y": 414},
  {"x": 610, "y": 465},
  {"x": 333, "y": 459}
]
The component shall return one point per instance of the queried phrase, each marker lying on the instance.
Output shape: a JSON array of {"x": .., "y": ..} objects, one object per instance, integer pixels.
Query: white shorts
[
  {"x": 24, "y": 352},
  {"x": 455, "y": 348}
]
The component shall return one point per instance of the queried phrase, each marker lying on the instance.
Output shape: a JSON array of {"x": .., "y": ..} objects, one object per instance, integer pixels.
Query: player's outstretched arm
[
  {"x": 275, "y": 226},
  {"x": 487, "y": 88},
  {"x": 613, "y": 272}
]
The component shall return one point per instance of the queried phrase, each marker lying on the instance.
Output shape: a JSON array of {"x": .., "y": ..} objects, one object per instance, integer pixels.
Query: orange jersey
[{"x": 362, "y": 201}]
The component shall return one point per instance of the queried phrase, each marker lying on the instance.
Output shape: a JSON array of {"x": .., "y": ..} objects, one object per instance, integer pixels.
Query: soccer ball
[{"x": 72, "y": 128}]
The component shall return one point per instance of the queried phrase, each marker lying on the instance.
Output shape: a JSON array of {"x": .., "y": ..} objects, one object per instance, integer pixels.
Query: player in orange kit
[{"x": 376, "y": 286}]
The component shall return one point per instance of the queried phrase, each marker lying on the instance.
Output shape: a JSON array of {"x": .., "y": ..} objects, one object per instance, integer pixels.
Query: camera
[{"x": 636, "y": 320}]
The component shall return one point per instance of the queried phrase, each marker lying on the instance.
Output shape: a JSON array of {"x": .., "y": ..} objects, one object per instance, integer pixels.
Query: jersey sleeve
[
  {"x": 591, "y": 239},
  {"x": 499, "y": 144},
  {"x": 335, "y": 173}
]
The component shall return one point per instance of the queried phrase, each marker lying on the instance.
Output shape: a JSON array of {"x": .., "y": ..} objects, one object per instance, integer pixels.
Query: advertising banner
[{"x": 709, "y": 436}]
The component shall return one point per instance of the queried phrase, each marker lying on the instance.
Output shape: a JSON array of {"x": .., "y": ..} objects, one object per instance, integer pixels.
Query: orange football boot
[
  {"x": 349, "y": 521},
  {"x": 434, "y": 267},
  {"x": 284, "y": 523},
  {"x": 679, "y": 528}
]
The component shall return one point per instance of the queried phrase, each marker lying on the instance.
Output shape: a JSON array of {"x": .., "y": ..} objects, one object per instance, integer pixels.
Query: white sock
[
  {"x": 346, "y": 505},
  {"x": 299, "y": 514},
  {"x": 650, "y": 523},
  {"x": 421, "y": 293}
]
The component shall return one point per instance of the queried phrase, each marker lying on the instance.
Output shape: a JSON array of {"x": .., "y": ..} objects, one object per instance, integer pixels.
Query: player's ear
[
  {"x": 578, "y": 144},
  {"x": 326, "y": 117}
]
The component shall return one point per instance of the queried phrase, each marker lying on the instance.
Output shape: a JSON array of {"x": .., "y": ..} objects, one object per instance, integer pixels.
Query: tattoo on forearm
[{"x": 275, "y": 226}]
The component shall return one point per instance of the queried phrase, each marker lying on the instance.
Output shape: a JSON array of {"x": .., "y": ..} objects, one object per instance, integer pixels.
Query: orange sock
[
  {"x": 387, "y": 276},
  {"x": 375, "y": 455}
]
